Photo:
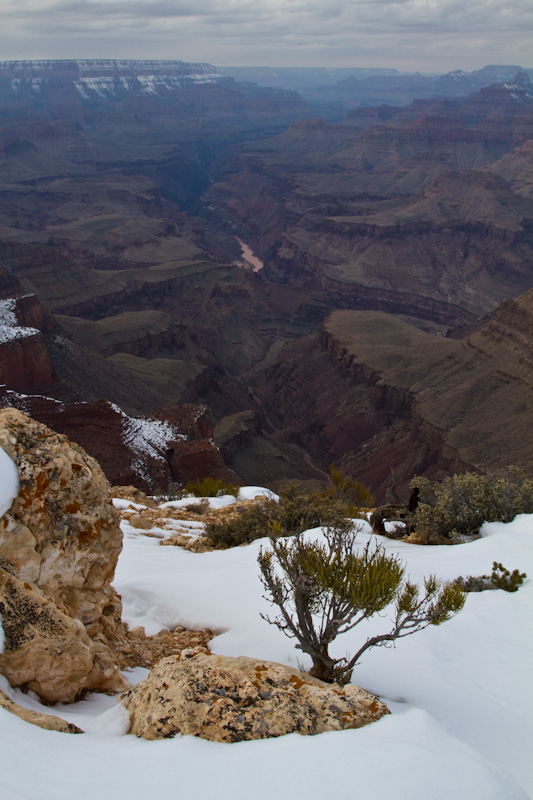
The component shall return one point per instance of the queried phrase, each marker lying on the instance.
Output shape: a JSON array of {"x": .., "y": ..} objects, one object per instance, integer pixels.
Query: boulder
[
  {"x": 233, "y": 699},
  {"x": 59, "y": 545}
]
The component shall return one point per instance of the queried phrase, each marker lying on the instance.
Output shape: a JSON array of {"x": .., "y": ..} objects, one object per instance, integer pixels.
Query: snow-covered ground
[{"x": 460, "y": 694}]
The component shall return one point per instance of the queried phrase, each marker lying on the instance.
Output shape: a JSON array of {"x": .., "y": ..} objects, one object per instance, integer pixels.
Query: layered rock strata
[{"x": 406, "y": 402}]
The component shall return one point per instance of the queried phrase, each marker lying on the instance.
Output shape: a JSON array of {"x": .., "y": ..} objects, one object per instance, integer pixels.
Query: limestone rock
[
  {"x": 59, "y": 545},
  {"x": 232, "y": 699},
  {"x": 145, "y": 651},
  {"x": 49, "y": 722}
]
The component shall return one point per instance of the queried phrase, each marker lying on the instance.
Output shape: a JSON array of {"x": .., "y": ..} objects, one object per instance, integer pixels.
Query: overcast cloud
[{"x": 425, "y": 35}]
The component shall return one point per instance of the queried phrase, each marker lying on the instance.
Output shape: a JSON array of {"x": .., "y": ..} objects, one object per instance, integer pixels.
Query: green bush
[
  {"x": 296, "y": 511},
  {"x": 251, "y": 524},
  {"x": 349, "y": 490},
  {"x": 299, "y": 510},
  {"x": 500, "y": 578},
  {"x": 324, "y": 589},
  {"x": 211, "y": 487},
  {"x": 457, "y": 507}
]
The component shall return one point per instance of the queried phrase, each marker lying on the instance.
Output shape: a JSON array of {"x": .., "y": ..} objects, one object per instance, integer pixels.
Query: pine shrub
[
  {"x": 323, "y": 589},
  {"x": 501, "y": 578}
]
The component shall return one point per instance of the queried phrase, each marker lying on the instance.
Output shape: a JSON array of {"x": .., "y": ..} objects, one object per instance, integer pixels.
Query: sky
[{"x": 411, "y": 35}]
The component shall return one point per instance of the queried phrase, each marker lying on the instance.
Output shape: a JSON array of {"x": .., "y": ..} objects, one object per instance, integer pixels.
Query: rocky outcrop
[
  {"x": 234, "y": 433},
  {"x": 59, "y": 545},
  {"x": 234, "y": 699},
  {"x": 152, "y": 453},
  {"x": 25, "y": 363}
]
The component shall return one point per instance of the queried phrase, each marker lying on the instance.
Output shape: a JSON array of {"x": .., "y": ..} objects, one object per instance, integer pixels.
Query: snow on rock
[
  {"x": 147, "y": 437},
  {"x": 245, "y": 493},
  {"x": 250, "y": 492},
  {"x": 460, "y": 696},
  {"x": 9, "y": 325},
  {"x": 122, "y": 504},
  {"x": 109, "y": 77},
  {"x": 223, "y": 500},
  {"x": 9, "y": 482}
]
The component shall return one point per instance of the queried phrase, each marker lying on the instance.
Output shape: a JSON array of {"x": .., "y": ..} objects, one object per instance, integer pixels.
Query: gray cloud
[{"x": 430, "y": 35}]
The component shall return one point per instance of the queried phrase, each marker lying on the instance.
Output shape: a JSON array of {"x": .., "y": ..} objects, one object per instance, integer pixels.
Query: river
[{"x": 249, "y": 257}]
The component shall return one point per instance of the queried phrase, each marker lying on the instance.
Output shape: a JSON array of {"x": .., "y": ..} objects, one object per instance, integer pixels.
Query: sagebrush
[
  {"x": 457, "y": 507},
  {"x": 296, "y": 511}
]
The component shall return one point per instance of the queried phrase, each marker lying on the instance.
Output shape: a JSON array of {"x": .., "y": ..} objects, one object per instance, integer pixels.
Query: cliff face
[
  {"x": 152, "y": 453},
  {"x": 25, "y": 364},
  {"x": 387, "y": 401}
]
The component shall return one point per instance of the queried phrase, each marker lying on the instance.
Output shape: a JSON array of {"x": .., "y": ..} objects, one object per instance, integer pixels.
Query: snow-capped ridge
[{"x": 109, "y": 78}]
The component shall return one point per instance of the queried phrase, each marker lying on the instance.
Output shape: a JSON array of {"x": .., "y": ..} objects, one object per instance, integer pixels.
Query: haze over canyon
[{"x": 252, "y": 273}]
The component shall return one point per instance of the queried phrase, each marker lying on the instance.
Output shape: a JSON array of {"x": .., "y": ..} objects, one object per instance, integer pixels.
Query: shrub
[
  {"x": 295, "y": 512},
  {"x": 211, "y": 487},
  {"x": 500, "y": 578},
  {"x": 459, "y": 505},
  {"x": 251, "y": 524},
  {"x": 323, "y": 590},
  {"x": 349, "y": 490},
  {"x": 198, "y": 508},
  {"x": 299, "y": 510}
]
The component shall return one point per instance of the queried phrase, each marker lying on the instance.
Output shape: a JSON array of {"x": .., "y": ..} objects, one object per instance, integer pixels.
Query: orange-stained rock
[
  {"x": 232, "y": 699},
  {"x": 59, "y": 545}
]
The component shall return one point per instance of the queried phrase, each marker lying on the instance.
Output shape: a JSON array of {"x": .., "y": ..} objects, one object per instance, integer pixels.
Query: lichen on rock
[
  {"x": 228, "y": 699},
  {"x": 59, "y": 544}
]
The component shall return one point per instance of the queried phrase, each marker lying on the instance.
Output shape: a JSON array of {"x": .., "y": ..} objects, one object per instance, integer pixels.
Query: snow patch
[
  {"x": 9, "y": 482},
  {"x": 147, "y": 437},
  {"x": 9, "y": 324}
]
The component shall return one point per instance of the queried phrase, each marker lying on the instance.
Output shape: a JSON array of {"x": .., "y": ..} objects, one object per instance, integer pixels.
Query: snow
[
  {"x": 9, "y": 325},
  {"x": 460, "y": 697},
  {"x": 250, "y": 492},
  {"x": 9, "y": 489},
  {"x": 122, "y": 505},
  {"x": 221, "y": 501},
  {"x": 146, "y": 437},
  {"x": 191, "y": 500},
  {"x": 9, "y": 482}
]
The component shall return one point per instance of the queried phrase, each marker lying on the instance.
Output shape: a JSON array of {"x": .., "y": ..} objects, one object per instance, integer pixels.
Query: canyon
[{"x": 385, "y": 324}]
